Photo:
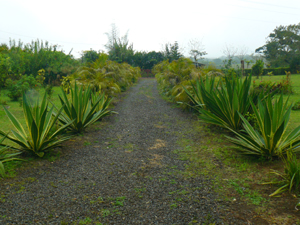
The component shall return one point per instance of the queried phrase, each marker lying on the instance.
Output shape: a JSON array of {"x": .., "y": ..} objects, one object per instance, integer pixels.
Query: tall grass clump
[
  {"x": 290, "y": 178},
  {"x": 180, "y": 75}
]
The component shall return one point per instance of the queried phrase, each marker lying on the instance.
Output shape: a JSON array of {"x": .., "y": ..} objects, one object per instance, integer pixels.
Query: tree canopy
[{"x": 282, "y": 45}]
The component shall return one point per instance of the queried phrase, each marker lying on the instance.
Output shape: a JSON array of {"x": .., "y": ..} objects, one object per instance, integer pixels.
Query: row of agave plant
[
  {"x": 85, "y": 98},
  {"x": 227, "y": 102}
]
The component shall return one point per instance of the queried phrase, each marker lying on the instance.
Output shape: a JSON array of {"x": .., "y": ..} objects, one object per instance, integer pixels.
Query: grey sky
[{"x": 82, "y": 25}]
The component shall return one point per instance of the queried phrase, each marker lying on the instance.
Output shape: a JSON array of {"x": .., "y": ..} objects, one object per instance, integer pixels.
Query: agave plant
[
  {"x": 6, "y": 156},
  {"x": 220, "y": 103},
  {"x": 80, "y": 111},
  {"x": 271, "y": 138},
  {"x": 37, "y": 136}
]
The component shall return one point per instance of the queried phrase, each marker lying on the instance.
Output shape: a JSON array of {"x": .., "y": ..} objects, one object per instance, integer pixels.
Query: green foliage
[
  {"x": 36, "y": 137},
  {"x": 282, "y": 45},
  {"x": 104, "y": 75},
  {"x": 295, "y": 64},
  {"x": 5, "y": 68},
  {"x": 271, "y": 138},
  {"x": 172, "y": 52},
  {"x": 173, "y": 78},
  {"x": 19, "y": 59},
  {"x": 147, "y": 60},
  {"x": 220, "y": 103},
  {"x": 6, "y": 156},
  {"x": 16, "y": 88},
  {"x": 296, "y": 106},
  {"x": 118, "y": 48},
  {"x": 80, "y": 111},
  {"x": 89, "y": 56},
  {"x": 290, "y": 179},
  {"x": 275, "y": 71},
  {"x": 257, "y": 68}
]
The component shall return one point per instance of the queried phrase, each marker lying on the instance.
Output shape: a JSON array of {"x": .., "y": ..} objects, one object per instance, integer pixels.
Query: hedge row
[{"x": 276, "y": 71}]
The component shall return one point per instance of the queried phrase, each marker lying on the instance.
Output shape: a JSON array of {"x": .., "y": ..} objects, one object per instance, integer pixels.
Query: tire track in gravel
[{"x": 127, "y": 174}]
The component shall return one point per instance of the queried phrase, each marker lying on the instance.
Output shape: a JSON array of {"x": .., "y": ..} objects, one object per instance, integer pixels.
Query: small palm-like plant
[
  {"x": 6, "y": 156},
  {"x": 37, "y": 137},
  {"x": 80, "y": 110},
  {"x": 271, "y": 138}
]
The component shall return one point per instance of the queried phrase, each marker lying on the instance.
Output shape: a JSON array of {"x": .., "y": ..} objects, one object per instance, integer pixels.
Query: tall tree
[
  {"x": 196, "y": 49},
  {"x": 282, "y": 45},
  {"x": 119, "y": 48},
  {"x": 172, "y": 51}
]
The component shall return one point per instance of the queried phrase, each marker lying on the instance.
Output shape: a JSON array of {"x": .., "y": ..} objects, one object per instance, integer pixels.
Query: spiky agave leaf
[
  {"x": 81, "y": 110},
  {"x": 271, "y": 138},
  {"x": 36, "y": 137}
]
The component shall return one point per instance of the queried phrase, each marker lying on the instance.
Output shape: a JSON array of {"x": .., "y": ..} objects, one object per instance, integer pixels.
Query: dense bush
[
  {"x": 275, "y": 71},
  {"x": 18, "y": 87},
  {"x": 257, "y": 68},
  {"x": 104, "y": 75},
  {"x": 179, "y": 74},
  {"x": 19, "y": 59}
]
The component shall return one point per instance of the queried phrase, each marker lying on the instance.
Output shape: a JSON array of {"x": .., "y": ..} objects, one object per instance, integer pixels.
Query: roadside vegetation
[
  {"x": 37, "y": 115},
  {"x": 248, "y": 126},
  {"x": 257, "y": 143}
]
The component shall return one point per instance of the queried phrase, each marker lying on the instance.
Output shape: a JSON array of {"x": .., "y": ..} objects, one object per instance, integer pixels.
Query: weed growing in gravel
[
  {"x": 105, "y": 213},
  {"x": 173, "y": 206},
  {"x": 87, "y": 143},
  {"x": 139, "y": 191},
  {"x": 87, "y": 220}
]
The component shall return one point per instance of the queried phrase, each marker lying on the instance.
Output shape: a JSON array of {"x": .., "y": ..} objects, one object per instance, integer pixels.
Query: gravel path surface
[{"x": 126, "y": 173}]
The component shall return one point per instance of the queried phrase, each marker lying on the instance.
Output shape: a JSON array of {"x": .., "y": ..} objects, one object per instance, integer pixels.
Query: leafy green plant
[
  {"x": 290, "y": 179},
  {"x": 80, "y": 111},
  {"x": 36, "y": 137},
  {"x": 18, "y": 87},
  {"x": 296, "y": 105},
  {"x": 258, "y": 68},
  {"x": 220, "y": 103},
  {"x": 271, "y": 138},
  {"x": 6, "y": 156}
]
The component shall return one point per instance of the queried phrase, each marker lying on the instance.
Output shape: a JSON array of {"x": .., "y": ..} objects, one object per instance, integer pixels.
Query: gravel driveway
[{"x": 124, "y": 173}]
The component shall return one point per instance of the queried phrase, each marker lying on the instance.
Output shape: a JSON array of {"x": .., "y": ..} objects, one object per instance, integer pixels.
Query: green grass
[{"x": 295, "y": 97}]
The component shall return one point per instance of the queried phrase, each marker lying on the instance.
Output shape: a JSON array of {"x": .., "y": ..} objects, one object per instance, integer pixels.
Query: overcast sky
[{"x": 82, "y": 25}]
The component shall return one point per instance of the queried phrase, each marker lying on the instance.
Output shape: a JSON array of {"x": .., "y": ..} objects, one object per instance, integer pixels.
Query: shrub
[
  {"x": 271, "y": 138},
  {"x": 257, "y": 68},
  {"x": 36, "y": 137},
  {"x": 18, "y": 87}
]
